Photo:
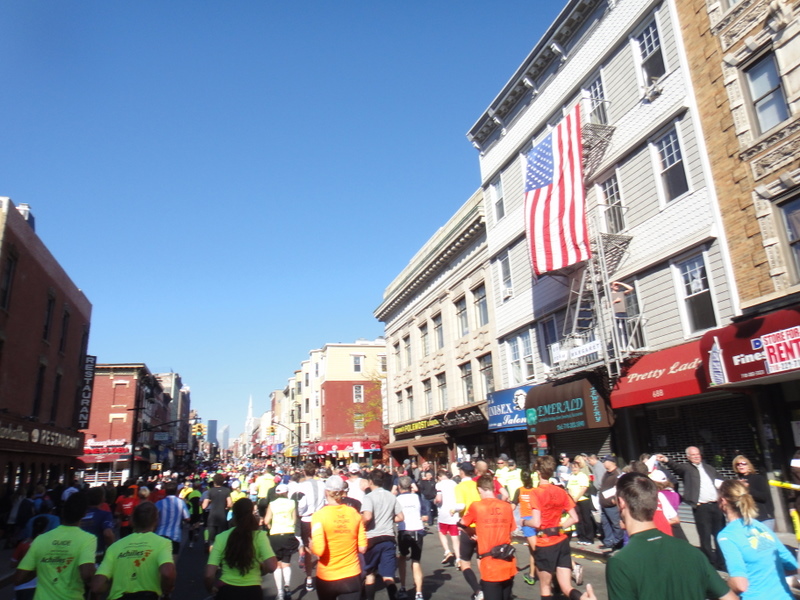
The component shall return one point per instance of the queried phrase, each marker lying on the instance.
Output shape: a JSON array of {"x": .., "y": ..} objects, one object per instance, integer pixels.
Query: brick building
[
  {"x": 125, "y": 436},
  {"x": 44, "y": 333}
]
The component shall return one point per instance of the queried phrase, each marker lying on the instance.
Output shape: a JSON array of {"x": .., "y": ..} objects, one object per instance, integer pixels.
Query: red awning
[
  {"x": 356, "y": 447},
  {"x": 672, "y": 373}
]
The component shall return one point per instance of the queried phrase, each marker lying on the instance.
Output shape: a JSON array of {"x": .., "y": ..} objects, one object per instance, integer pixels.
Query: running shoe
[
  {"x": 577, "y": 574},
  {"x": 448, "y": 556},
  {"x": 478, "y": 595},
  {"x": 419, "y": 596},
  {"x": 529, "y": 579},
  {"x": 402, "y": 594},
  {"x": 287, "y": 593},
  {"x": 309, "y": 584}
]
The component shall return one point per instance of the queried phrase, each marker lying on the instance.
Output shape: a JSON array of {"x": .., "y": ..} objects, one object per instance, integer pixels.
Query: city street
[{"x": 440, "y": 582}]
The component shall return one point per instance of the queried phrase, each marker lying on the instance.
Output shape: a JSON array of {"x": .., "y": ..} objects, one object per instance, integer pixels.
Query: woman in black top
[{"x": 758, "y": 487}]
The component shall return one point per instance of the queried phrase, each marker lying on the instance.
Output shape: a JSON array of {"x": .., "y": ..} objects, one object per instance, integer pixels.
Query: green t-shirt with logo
[
  {"x": 132, "y": 564},
  {"x": 56, "y": 556},
  {"x": 233, "y": 576}
]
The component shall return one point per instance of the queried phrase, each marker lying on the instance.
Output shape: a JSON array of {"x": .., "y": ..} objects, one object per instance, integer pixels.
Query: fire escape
[{"x": 597, "y": 337}]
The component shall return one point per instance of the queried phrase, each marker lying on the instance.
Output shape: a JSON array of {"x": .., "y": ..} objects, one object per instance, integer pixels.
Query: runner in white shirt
[
  {"x": 448, "y": 518},
  {"x": 410, "y": 533}
]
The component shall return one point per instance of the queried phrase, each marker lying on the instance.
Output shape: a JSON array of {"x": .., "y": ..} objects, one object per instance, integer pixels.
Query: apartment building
[{"x": 441, "y": 344}]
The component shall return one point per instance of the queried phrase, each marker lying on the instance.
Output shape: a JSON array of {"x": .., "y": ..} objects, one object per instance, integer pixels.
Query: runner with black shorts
[{"x": 280, "y": 520}]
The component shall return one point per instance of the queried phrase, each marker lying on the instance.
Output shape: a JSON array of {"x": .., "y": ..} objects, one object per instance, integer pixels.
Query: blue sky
[{"x": 233, "y": 184}]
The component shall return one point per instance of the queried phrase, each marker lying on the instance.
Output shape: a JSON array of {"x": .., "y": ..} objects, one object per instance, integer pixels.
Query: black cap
[
  {"x": 467, "y": 467},
  {"x": 613, "y": 459}
]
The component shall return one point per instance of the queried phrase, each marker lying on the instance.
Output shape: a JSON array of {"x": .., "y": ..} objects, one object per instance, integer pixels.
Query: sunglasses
[{"x": 742, "y": 464}]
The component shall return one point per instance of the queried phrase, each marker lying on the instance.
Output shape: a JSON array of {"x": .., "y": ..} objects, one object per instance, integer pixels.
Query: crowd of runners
[{"x": 355, "y": 531}]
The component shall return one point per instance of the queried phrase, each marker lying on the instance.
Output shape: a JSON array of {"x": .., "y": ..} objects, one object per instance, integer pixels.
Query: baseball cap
[
  {"x": 467, "y": 467},
  {"x": 503, "y": 457},
  {"x": 613, "y": 459},
  {"x": 281, "y": 488},
  {"x": 335, "y": 484},
  {"x": 354, "y": 468}
]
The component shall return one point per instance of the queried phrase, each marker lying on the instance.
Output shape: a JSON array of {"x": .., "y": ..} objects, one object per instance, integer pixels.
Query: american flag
[{"x": 555, "y": 211}]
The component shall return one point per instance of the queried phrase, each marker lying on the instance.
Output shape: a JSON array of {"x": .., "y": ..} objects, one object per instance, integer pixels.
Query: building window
[
  {"x": 466, "y": 382},
  {"x": 696, "y": 294},
  {"x": 410, "y": 403},
  {"x": 424, "y": 342},
  {"x": 358, "y": 421},
  {"x": 407, "y": 350},
  {"x": 614, "y": 215},
  {"x": 62, "y": 342},
  {"x": 56, "y": 398},
  {"x": 521, "y": 354},
  {"x": 652, "y": 60},
  {"x": 38, "y": 391},
  {"x": 308, "y": 405},
  {"x": 382, "y": 358},
  {"x": 358, "y": 393},
  {"x": 48, "y": 316},
  {"x": 307, "y": 379},
  {"x": 398, "y": 361},
  {"x": 7, "y": 281},
  {"x": 497, "y": 199},
  {"x": 487, "y": 375},
  {"x": 438, "y": 331},
  {"x": 481, "y": 305},
  {"x": 399, "y": 399},
  {"x": 597, "y": 102},
  {"x": 441, "y": 385},
  {"x": 316, "y": 369},
  {"x": 505, "y": 275},
  {"x": 461, "y": 316},
  {"x": 428, "y": 392},
  {"x": 673, "y": 173},
  {"x": 791, "y": 219},
  {"x": 548, "y": 334},
  {"x": 766, "y": 93},
  {"x": 357, "y": 363}
]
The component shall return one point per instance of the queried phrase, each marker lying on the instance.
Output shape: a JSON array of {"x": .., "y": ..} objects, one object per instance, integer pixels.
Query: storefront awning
[
  {"x": 675, "y": 372},
  {"x": 759, "y": 350},
  {"x": 349, "y": 446},
  {"x": 551, "y": 408},
  {"x": 420, "y": 442}
]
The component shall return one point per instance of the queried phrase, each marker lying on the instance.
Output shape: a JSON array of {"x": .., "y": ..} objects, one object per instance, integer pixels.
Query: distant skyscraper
[
  {"x": 226, "y": 432},
  {"x": 212, "y": 433}
]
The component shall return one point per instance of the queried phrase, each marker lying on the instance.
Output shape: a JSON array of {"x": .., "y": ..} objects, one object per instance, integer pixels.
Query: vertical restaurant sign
[
  {"x": 753, "y": 349},
  {"x": 87, "y": 386},
  {"x": 506, "y": 409}
]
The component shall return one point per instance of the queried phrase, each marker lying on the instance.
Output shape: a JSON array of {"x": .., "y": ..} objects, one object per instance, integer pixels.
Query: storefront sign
[
  {"x": 551, "y": 408},
  {"x": 757, "y": 350},
  {"x": 86, "y": 392},
  {"x": 33, "y": 437},
  {"x": 447, "y": 420},
  {"x": 675, "y": 372},
  {"x": 506, "y": 409}
]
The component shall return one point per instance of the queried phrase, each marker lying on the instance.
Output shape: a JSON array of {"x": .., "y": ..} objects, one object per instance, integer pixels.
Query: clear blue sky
[{"x": 233, "y": 184}]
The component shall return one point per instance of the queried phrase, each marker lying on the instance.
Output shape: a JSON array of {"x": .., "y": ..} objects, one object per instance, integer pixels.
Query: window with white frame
[
  {"x": 410, "y": 403},
  {"x": 597, "y": 102},
  {"x": 461, "y": 316},
  {"x": 487, "y": 374},
  {"x": 497, "y": 198},
  {"x": 358, "y": 421},
  {"x": 398, "y": 360},
  {"x": 613, "y": 213},
  {"x": 382, "y": 359},
  {"x": 790, "y": 214},
  {"x": 467, "y": 388},
  {"x": 650, "y": 54},
  {"x": 438, "y": 331},
  {"x": 520, "y": 353},
  {"x": 673, "y": 171},
  {"x": 358, "y": 393},
  {"x": 441, "y": 386},
  {"x": 424, "y": 342},
  {"x": 399, "y": 400},
  {"x": 357, "y": 363},
  {"x": 696, "y": 294},
  {"x": 407, "y": 350},
  {"x": 505, "y": 274},
  {"x": 428, "y": 393},
  {"x": 769, "y": 107},
  {"x": 481, "y": 305}
]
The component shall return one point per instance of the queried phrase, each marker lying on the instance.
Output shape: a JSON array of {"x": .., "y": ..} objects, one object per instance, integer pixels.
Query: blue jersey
[
  {"x": 754, "y": 551},
  {"x": 96, "y": 521},
  {"x": 171, "y": 513}
]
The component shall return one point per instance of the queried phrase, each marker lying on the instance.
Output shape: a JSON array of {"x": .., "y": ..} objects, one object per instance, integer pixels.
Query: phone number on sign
[{"x": 573, "y": 425}]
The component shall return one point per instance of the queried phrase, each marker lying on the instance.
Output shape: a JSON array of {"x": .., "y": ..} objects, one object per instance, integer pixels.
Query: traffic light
[{"x": 196, "y": 429}]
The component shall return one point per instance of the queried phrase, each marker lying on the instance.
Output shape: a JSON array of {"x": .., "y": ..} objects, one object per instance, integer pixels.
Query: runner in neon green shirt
[
  {"x": 62, "y": 559},
  {"x": 140, "y": 562}
]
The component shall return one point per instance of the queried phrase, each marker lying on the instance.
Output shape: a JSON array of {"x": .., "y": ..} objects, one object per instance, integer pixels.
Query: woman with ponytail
[
  {"x": 243, "y": 554},
  {"x": 756, "y": 560}
]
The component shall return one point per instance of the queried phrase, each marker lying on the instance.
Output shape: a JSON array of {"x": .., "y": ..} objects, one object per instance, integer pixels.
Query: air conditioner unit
[{"x": 507, "y": 293}]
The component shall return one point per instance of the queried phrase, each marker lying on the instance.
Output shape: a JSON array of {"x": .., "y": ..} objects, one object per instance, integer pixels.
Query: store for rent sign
[{"x": 782, "y": 349}]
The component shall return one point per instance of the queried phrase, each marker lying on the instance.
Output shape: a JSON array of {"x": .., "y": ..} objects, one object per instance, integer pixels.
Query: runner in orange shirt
[
  {"x": 494, "y": 521},
  {"x": 337, "y": 538}
]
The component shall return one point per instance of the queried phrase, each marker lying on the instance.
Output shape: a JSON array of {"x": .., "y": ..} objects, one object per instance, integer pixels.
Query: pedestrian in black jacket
[{"x": 700, "y": 482}]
